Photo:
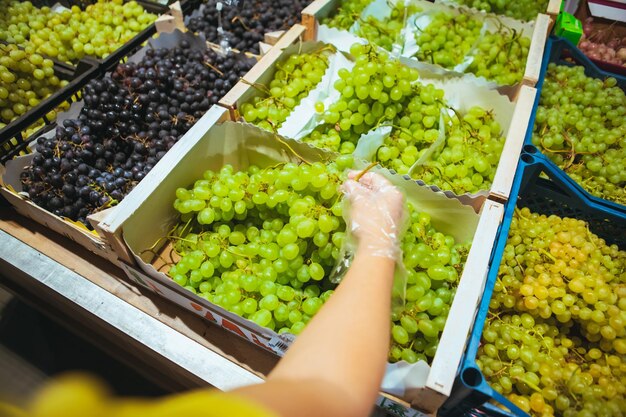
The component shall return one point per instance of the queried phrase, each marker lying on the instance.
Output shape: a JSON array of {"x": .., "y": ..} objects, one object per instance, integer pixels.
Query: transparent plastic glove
[{"x": 374, "y": 214}]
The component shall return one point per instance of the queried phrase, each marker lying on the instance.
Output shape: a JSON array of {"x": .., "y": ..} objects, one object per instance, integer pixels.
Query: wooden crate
[
  {"x": 90, "y": 240},
  {"x": 505, "y": 173},
  {"x": 263, "y": 71},
  {"x": 537, "y": 47},
  {"x": 9, "y": 189}
]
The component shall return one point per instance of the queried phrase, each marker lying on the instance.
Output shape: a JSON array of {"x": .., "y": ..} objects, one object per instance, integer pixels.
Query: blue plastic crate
[
  {"x": 545, "y": 189},
  {"x": 563, "y": 52}
]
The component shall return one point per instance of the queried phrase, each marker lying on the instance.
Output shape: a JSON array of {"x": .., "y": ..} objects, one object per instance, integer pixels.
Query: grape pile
[
  {"x": 293, "y": 80},
  {"x": 348, "y": 12},
  {"x": 555, "y": 339},
  {"x": 128, "y": 122},
  {"x": 245, "y": 25},
  {"x": 385, "y": 33},
  {"x": 521, "y": 10},
  {"x": 500, "y": 56},
  {"x": 26, "y": 78},
  {"x": 447, "y": 39},
  {"x": 69, "y": 35},
  {"x": 468, "y": 160},
  {"x": 263, "y": 242},
  {"x": 580, "y": 126}
]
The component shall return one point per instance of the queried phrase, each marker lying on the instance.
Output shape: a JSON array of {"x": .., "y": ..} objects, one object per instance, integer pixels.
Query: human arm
[{"x": 335, "y": 366}]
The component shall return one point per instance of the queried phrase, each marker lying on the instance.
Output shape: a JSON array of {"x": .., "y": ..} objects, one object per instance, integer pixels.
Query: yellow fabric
[{"x": 80, "y": 396}]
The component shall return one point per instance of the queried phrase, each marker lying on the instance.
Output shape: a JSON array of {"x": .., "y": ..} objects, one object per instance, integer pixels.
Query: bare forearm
[{"x": 351, "y": 329}]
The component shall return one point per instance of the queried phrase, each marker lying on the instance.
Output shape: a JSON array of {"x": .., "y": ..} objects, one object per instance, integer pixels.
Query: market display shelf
[
  {"x": 544, "y": 190},
  {"x": 262, "y": 74},
  {"x": 13, "y": 141},
  {"x": 10, "y": 183},
  {"x": 563, "y": 52}
]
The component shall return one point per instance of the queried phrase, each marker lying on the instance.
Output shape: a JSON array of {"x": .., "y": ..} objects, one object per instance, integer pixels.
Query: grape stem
[
  {"x": 546, "y": 253},
  {"x": 360, "y": 174},
  {"x": 527, "y": 382},
  {"x": 157, "y": 255},
  {"x": 258, "y": 86},
  {"x": 241, "y": 22},
  {"x": 277, "y": 137},
  {"x": 208, "y": 64}
]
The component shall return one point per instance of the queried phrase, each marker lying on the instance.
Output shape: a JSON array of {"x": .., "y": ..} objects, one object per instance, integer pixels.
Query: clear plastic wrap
[{"x": 374, "y": 210}]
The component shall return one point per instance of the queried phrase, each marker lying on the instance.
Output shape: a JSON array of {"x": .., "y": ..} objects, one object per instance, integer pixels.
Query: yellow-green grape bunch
[
  {"x": 526, "y": 10},
  {"x": 555, "y": 339},
  {"x": 447, "y": 39},
  {"x": 468, "y": 160},
  {"x": 385, "y": 33},
  {"x": 69, "y": 35},
  {"x": 26, "y": 78},
  {"x": 293, "y": 80},
  {"x": 346, "y": 14},
  {"x": 501, "y": 56},
  {"x": 416, "y": 128},
  {"x": 580, "y": 125},
  {"x": 373, "y": 92},
  {"x": 434, "y": 262}
]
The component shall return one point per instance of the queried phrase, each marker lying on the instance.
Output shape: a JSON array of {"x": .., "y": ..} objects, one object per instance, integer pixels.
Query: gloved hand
[{"x": 375, "y": 214}]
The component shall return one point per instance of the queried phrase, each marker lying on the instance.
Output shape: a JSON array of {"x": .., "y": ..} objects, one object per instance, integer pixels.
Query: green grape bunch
[
  {"x": 26, "y": 78},
  {"x": 580, "y": 126},
  {"x": 525, "y": 10},
  {"x": 346, "y": 14},
  {"x": 468, "y": 160},
  {"x": 372, "y": 92},
  {"x": 434, "y": 262},
  {"x": 294, "y": 79},
  {"x": 500, "y": 56},
  {"x": 385, "y": 33},
  {"x": 262, "y": 242},
  {"x": 69, "y": 35},
  {"x": 555, "y": 339},
  {"x": 415, "y": 129},
  {"x": 448, "y": 39}
]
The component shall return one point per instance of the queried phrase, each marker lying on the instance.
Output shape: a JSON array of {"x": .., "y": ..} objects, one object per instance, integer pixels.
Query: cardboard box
[
  {"x": 143, "y": 219},
  {"x": 320, "y": 9}
]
